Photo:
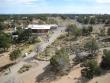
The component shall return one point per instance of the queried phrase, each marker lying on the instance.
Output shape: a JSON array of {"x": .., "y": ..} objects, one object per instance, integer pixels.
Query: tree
[
  {"x": 63, "y": 17},
  {"x": 60, "y": 62},
  {"x": 42, "y": 17},
  {"x": 91, "y": 69},
  {"x": 86, "y": 20},
  {"x": 105, "y": 64},
  {"x": 92, "y": 20},
  {"x": 51, "y": 21},
  {"x": 24, "y": 35},
  {"x": 5, "y": 41},
  {"x": 1, "y": 27},
  {"x": 91, "y": 46},
  {"x": 15, "y": 54}
]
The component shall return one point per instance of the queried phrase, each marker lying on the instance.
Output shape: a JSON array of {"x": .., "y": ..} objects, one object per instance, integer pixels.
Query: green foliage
[
  {"x": 87, "y": 30},
  {"x": 52, "y": 21},
  {"x": 33, "y": 40},
  {"x": 1, "y": 27},
  {"x": 23, "y": 35},
  {"x": 70, "y": 28},
  {"x": 63, "y": 17},
  {"x": 91, "y": 46},
  {"x": 105, "y": 64},
  {"x": 60, "y": 61},
  {"x": 92, "y": 20},
  {"x": 91, "y": 69},
  {"x": 61, "y": 36},
  {"x": 73, "y": 30},
  {"x": 5, "y": 40},
  {"x": 102, "y": 31},
  {"x": 77, "y": 32},
  {"x": 90, "y": 28},
  {"x": 24, "y": 68},
  {"x": 107, "y": 55},
  {"x": 42, "y": 17},
  {"x": 86, "y": 19},
  {"x": 15, "y": 54},
  {"x": 108, "y": 31}
]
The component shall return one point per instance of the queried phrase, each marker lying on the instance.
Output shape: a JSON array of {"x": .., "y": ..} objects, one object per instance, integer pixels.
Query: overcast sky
[{"x": 54, "y": 6}]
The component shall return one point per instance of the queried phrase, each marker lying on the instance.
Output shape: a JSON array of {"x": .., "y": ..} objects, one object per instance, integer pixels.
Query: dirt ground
[
  {"x": 72, "y": 77},
  {"x": 101, "y": 79},
  {"x": 4, "y": 59}
]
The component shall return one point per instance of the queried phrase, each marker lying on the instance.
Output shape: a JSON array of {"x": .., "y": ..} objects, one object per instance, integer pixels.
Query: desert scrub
[
  {"x": 38, "y": 39},
  {"x": 60, "y": 62},
  {"x": 24, "y": 68},
  {"x": 15, "y": 54},
  {"x": 90, "y": 69},
  {"x": 62, "y": 36}
]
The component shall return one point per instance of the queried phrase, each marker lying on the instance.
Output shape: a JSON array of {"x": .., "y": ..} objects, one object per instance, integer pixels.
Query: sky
[{"x": 55, "y": 6}]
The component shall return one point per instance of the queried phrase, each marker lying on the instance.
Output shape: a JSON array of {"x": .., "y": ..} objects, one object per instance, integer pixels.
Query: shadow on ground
[{"x": 47, "y": 76}]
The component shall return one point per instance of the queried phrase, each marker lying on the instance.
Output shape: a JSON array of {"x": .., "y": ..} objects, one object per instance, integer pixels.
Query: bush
[
  {"x": 23, "y": 35},
  {"x": 61, "y": 36},
  {"x": 87, "y": 30},
  {"x": 91, "y": 46},
  {"x": 24, "y": 68},
  {"x": 5, "y": 41},
  {"x": 60, "y": 62},
  {"x": 1, "y": 27},
  {"x": 108, "y": 31},
  {"x": 38, "y": 39},
  {"x": 105, "y": 64},
  {"x": 91, "y": 69},
  {"x": 73, "y": 30},
  {"x": 15, "y": 54}
]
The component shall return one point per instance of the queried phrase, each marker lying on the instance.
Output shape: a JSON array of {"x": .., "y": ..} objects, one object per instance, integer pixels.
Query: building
[{"x": 41, "y": 28}]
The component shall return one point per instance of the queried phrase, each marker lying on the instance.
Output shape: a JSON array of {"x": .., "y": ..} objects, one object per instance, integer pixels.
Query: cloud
[
  {"x": 103, "y": 1},
  {"x": 20, "y": 1},
  {"x": 54, "y": 6}
]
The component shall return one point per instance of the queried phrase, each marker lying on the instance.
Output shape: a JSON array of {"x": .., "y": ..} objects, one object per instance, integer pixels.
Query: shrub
[
  {"x": 91, "y": 69},
  {"x": 60, "y": 62},
  {"x": 91, "y": 46},
  {"x": 108, "y": 31},
  {"x": 73, "y": 30},
  {"x": 38, "y": 39},
  {"x": 105, "y": 64},
  {"x": 61, "y": 36},
  {"x": 24, "y": 68},
  {"x": 5, "y": 41},
  {"x": 87, "y": 30},
  {"x": 15, "y": 54},
  {"x": 23, "y": 35}
]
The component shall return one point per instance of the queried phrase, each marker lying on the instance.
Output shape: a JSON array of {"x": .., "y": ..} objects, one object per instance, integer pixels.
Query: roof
[{"x": 35, "y": 26}]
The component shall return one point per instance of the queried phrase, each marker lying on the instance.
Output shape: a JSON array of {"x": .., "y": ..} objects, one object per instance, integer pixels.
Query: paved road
[{"x": 13, "y": 76}]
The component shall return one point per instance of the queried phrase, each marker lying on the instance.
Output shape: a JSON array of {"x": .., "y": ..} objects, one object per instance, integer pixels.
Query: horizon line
[{"x": 53, "y": 13}]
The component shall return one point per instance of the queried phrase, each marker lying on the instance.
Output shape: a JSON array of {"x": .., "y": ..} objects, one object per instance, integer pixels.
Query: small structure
[
  {"x": 14, "y": 35},
  {"x": 41, "y": 28}
]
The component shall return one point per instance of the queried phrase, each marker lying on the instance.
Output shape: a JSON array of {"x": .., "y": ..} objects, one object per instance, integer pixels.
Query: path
[{"x": 11, "y": 77}]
